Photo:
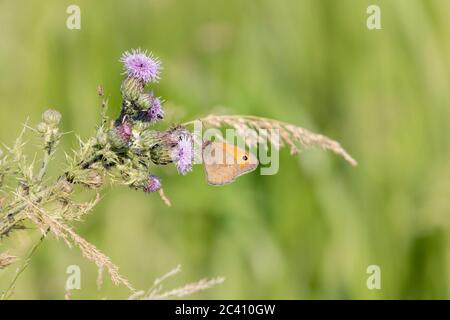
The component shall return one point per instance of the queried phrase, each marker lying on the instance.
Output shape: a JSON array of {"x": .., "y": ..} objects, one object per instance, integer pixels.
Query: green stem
[
  {"x": 45, "y": 162},
  {"x": 10, "y": 289},
  {"x": 13, "y": 215}
]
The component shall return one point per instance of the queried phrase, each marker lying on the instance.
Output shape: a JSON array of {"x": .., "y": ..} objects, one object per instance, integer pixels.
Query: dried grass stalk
[
  {"x": 164, "y": 198},
  {"x": 186, "y": 290},
  {"x": 6, "y": 259},
  {"x": 169, "y": 274},
  {"x": 154, "y": 293},
  {"x": 46, "y": 221},
  {"x": 292, "y": 136},
  {"x": 75, "y": 211}
]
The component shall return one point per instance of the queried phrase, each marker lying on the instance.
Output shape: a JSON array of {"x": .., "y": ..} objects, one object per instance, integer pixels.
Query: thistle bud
[
  {"x": 161, "y": 146},
  {"x": 131, "y": 88},
  {"x": 65, "y": 186},
  {"x": 51, "y": 117},
  {"x": 161, "y": 153},
  {"x": 144, "y": 101},
  {"x": 147, "y": 183},
  {"x": 120, "y": 136},
  {"x": 93, "y": 180},
  {"x": 102, "y": 137},
  {"x": 150, "y": 138},
  {"x": 152, "y": 184},
  {"x": 42, "y": 127}
]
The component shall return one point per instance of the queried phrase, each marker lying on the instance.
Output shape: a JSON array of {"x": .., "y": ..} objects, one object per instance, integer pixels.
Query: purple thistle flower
[
  {"x": 153, "y": 184},
  {"x": 124, "y": 131},
  {"x": 183, "y": 155},
  {"x": 120, "y": 136},
  {"x": 141, "y": 65},
  {"x": 155, "y": 112}
]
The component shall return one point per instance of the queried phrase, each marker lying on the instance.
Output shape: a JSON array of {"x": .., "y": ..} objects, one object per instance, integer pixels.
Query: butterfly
[{"x": 224, "y": 162}]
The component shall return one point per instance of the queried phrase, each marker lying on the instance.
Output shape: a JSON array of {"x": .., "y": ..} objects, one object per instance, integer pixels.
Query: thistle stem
[
  {"x": 12, "y": 216},
  {"x": 45, "y": 162}
]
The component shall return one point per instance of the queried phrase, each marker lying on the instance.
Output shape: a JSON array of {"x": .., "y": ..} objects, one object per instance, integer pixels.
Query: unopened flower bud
[
  {"x": 161, "y": 146},
  {"x": 120, "y": 136},
  {"x": 42, "y": 127},
  {"x": 150, "y": 138},
  {"x": 93, "y": 180},
  {"x": 144, "y": 101},
  {"x": 102, "y": 137},
  {"x": 51, "y": 117},
  {"x": 161, "y": 153},
  {"x": 65, "y": 186},
  {"x": 147, "y": 183},
  {"x": 131, "y": 88}
]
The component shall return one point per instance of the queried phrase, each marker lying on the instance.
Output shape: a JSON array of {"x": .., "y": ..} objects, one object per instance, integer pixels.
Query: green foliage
[{"x": 311, "y": 230}]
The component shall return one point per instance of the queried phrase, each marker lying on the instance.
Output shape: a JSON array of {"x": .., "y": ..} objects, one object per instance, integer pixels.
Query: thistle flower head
[
  {"x": 174, "y": 145},
  {"x": 183, "y": 154},
  {"x": 155, "y": 111},
  {"x": 153, "y": 184},
  {"x": 141, "y": 65}
]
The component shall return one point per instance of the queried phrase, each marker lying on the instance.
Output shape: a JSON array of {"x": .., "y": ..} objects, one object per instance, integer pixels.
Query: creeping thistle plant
[{"x": 123, "y": 151}]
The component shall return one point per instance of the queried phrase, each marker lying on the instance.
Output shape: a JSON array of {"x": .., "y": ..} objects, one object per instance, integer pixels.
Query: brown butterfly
[{"x": 224, "y": 162}]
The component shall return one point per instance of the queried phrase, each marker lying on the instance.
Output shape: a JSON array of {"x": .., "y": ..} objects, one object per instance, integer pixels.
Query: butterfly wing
[
  {"x": 224, "y": 162},
  {"x": 219, "y": 175}
]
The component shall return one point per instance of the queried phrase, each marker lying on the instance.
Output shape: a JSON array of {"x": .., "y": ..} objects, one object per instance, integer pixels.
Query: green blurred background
[{"x": 311, "y": 230}]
